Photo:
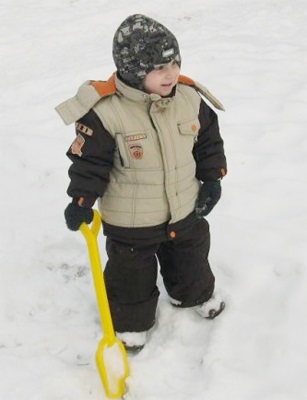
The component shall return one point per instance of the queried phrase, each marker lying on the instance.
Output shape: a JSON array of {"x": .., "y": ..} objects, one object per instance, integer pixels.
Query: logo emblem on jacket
[
  {"x": 77, "y": 145},
  {"x": 136, "y": 151}
]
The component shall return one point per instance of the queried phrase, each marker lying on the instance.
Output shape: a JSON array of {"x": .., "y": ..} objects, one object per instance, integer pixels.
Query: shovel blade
[{"x": 112, "y": 364}]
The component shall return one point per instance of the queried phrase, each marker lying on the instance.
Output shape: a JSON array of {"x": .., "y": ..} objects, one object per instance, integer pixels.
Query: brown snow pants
[{"x": 131, "y": 276}]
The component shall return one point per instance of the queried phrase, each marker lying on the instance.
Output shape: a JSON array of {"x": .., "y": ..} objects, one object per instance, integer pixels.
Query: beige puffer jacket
[{"x": 153, "y": 179}]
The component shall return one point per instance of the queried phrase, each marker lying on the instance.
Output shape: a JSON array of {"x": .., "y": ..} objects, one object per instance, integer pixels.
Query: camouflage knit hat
[{"x": 141, "y": 44}]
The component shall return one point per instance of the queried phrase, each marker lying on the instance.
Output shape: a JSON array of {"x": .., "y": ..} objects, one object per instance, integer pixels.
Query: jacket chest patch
[
  {"x": 136, "y": 151},
  {"x": 84, "y": 129},
  {"x": 133, "y": 138}
]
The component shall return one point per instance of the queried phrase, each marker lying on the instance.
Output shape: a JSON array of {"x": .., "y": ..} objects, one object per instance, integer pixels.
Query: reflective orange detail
[
  {"x": 186, "y": 80},
  {"x": 81, "y": 201},
  {"x": 172, "y": 234},
  {"x": 105, "y": 88}
]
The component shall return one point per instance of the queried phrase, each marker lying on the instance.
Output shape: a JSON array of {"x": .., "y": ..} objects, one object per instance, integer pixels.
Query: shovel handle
[{"x": 90, "y": 233}]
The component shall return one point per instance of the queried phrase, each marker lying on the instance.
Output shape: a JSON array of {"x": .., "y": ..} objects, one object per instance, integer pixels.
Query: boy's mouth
[{"x": 167, "y": 85}]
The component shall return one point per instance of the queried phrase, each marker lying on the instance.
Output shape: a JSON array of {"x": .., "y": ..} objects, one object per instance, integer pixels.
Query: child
[{"x": 148, "y": 148}]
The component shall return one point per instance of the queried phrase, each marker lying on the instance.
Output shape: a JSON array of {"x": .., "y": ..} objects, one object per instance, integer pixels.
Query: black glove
[
  {"x": 75, "y": 215},
  {"x": 209, "y": 194}
]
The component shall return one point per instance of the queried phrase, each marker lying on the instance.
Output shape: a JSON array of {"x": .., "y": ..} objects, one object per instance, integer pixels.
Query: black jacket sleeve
[
  {"x": 209, "y": 149},
  {"x": 92, "y": 155}
]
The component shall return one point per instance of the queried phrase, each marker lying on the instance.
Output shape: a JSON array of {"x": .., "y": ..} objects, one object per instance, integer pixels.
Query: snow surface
[{"x": 253, "y": 57}]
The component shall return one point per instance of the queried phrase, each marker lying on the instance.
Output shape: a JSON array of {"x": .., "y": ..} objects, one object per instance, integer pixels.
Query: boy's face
[{"x": 162, "y": 79}]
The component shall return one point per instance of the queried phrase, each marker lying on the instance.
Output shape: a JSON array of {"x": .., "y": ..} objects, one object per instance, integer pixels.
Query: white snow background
[{"x": 253, "y": 56}]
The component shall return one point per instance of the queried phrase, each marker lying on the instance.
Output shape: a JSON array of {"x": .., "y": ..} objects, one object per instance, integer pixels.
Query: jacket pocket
[
  {"x": 187, "y": 136},
  {"x": 190, "y": 127}
]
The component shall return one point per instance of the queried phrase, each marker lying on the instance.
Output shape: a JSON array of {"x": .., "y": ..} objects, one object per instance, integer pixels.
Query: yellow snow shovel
[{"x": 111, "y": 356}]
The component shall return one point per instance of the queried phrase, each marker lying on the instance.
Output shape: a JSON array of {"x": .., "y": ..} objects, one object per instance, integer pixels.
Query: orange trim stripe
[
  {"x": 186, "y": 80},
  {"x": 105, "y": 88}
]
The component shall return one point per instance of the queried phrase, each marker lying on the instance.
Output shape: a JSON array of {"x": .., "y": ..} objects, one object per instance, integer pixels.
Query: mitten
[
  {"x": 75, "y": 214},
  {"x": 209, "y": 194}
]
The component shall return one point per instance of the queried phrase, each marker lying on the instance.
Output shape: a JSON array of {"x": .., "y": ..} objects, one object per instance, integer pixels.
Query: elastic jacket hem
[{"x": 154, "y": 234}]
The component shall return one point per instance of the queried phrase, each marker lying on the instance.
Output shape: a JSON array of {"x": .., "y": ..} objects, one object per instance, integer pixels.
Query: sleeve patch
[
  {"x": 84, "y": 129},
  {"x": 77, "y": 145}
]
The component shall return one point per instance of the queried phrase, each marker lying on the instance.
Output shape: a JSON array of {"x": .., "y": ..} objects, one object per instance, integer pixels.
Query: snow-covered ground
[{"x": 253, "y": 57}]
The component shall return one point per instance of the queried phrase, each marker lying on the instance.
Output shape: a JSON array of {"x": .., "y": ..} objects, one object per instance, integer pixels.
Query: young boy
[{"x": 149, "y": 149}]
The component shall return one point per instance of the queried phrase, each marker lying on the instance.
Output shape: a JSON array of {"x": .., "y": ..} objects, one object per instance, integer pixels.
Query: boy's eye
[
  {"x": 172, "y": 63},
  {"x": 161, "y": 67}
]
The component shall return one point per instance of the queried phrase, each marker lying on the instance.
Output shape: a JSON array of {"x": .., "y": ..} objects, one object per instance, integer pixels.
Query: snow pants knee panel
[
  {"x": 185, "y": 268},
  {"x": 130, "y": 277}
]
